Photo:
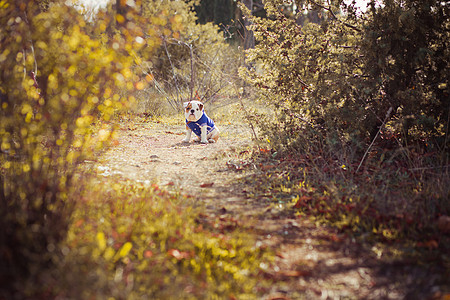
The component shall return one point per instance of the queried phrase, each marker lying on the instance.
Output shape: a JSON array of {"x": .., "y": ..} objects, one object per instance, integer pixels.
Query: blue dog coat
[{"x": 203, "y": 121}]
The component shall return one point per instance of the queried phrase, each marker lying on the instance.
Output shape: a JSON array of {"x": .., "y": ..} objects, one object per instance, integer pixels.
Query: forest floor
[{"x": 312, "y": 261}]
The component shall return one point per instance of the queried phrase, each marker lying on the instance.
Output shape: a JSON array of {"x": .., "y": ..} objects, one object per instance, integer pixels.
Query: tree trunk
[{"x": 249, "y": 39}]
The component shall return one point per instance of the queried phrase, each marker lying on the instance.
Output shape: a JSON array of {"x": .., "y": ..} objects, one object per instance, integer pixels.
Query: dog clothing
[{"x": 203, "y": 121}]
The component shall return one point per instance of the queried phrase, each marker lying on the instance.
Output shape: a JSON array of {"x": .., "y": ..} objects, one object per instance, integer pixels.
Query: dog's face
[{"x": 193, "y": 110}]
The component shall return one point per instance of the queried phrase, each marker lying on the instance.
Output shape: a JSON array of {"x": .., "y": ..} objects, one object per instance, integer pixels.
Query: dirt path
[{"x": 312, "y": 262}]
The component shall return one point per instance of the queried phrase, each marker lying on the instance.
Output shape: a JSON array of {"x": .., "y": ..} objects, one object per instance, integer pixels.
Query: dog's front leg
[
  {"x": 204, "y": 133},
  {"x": 188, "y": 135}
]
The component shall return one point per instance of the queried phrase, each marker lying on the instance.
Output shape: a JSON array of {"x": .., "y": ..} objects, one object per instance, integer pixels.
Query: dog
[{"x": 198, "y": 122}]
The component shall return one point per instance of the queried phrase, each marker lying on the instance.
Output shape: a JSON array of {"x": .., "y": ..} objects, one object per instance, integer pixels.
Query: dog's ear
[
  {"x": 200, "y": 106},
  {"x": 187, "y": 106}
]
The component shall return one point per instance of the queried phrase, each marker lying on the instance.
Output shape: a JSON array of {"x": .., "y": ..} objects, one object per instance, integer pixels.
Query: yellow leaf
[
  {"x": 120, "y": 19},
  {"x": 140, "y": 85},
  {"x": 177, "y": 19},
  {"x": 26, "y": 168},
  {"x": 109, "y": 253},
  {"x": 103, "y": 135},
  {"x": 101, "y": 241},
  {"x": 125, "y": 249},
  {"x": 149, "y": 77}
]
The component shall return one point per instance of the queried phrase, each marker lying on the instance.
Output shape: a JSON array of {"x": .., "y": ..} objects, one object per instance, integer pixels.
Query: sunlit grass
[{"x": 130, "y": 241}]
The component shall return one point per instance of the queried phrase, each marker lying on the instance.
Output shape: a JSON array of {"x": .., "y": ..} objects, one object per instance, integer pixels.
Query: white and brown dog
[{"x": 198, "y": 122}]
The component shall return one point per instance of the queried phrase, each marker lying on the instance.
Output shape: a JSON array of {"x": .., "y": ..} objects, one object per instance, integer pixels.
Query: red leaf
[
  {"x": 266, "y": 167},
  {"x": 176, "y": 133},
  {"x": 207, "y": 185},
  {"x": 148, "y": 253},
  {"x": 431, "y": 244},
  {"x": 302, "y": 201}
]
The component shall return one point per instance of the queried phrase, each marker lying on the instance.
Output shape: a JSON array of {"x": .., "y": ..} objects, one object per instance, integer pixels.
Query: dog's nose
[{"x": 192, "y": 111}]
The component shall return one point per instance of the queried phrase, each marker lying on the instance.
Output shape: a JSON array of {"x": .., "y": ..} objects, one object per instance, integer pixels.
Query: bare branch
[
  {"x": 334, "y": 16},
  {"x": 373, "y": 141}
]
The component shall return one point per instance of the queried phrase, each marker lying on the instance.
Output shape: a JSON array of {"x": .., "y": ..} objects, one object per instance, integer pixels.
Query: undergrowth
[
  {"x": 130, "y": 241},
  {"x": 385, "y": 202}
]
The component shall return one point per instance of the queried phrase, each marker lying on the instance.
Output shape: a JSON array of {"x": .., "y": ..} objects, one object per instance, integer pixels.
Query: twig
[
  {"x": 429, "y": 168},
  {"x": 191, "y": 85},
  {"x": 446, "y": 131},
  {"x": 173, "y": 69},
  {"x": 246, "y": 113},
  {"x": 373, "y": 141},
  {"x": 164, "y": 93},
  {"x": 334, "y": 16}
]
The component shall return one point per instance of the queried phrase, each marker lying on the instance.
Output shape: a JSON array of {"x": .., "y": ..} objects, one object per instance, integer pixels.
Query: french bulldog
[{"x": 198, "y": 122}]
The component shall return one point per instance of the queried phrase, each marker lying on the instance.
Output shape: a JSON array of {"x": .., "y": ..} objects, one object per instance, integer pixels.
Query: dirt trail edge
[{"x": 312, "y": 262}]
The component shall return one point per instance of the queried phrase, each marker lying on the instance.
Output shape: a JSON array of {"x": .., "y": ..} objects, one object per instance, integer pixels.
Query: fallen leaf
[
  {"x": 302, "y": 201},
  {"x": 292, "y": 273},
  {"x": 278, "y": 297},
  {"x": 207, "y": 185},
  {"x": 431, "y": 244},
  {"x": 179, "y": 255},
  {"x": 335, "y": 238},
  {"x": 176, "y": 133},
  {"x": 266, "y": 167},
  {"x": 79, "y": 223},
  {"x": 148, "y": 254}
]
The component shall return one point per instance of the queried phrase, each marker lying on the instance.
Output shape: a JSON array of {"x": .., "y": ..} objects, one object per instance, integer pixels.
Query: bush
[
  {"x": 361, "y": 111},
  {"x": 406, "y": 50},
  {"x": 340, "y": 78},
  {"x": 55, "y": 82}
]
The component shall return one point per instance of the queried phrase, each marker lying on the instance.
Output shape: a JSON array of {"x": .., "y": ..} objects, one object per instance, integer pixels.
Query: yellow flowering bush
[{"x": 56, "y": 82}]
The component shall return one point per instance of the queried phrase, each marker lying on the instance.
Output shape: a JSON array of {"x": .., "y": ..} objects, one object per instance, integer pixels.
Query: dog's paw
[
  {"x": 185, "y": 141},
  {"x": 204, "y": 142},
  {"x": 211, "y": 141}
]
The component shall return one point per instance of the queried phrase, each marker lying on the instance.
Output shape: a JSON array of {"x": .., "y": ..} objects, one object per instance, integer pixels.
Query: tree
[
  {"x": 406, "y": 49},
  {"x": 249, "y": 39}
]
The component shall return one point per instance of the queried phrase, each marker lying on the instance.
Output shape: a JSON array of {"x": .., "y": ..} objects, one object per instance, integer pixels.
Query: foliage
[
  {"x": 359, "y": 134},
  {"x": 130, "y": 241},
  {"x": 187, "y": 59},
  {"x": 406, "y": 49},
  {"x": 56, "y": 81},
  {"x": 338, "y": 79},
  {"x": 309, "y": 74},
  {"x": 190, "y": 58}
]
